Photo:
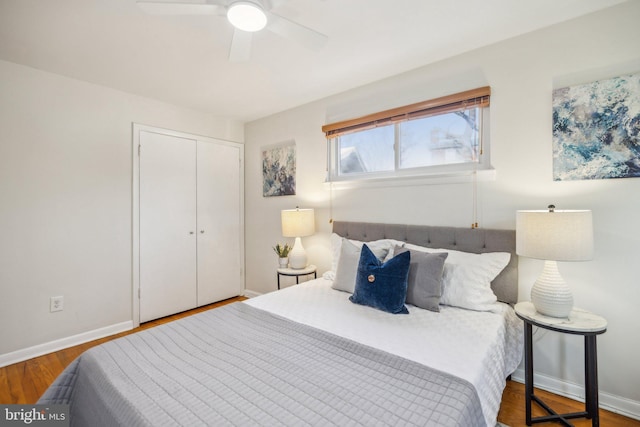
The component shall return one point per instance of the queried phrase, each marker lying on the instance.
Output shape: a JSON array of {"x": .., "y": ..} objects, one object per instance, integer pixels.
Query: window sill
[{"x": 483, "y": 175}]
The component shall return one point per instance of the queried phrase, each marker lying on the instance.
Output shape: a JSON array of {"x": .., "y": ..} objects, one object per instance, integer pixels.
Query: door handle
[
  {"x": 201, "y": 231},
  {"x": 191, "y": 232}
]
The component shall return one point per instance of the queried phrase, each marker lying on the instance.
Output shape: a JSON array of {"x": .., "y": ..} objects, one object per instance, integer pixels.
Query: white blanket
[{"x": 480, "y": 347}]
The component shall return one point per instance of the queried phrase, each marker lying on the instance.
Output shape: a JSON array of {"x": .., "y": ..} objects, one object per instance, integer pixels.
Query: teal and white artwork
[
  {"x": 596, "y": 130},
  {"x": 279, "y": 170}
]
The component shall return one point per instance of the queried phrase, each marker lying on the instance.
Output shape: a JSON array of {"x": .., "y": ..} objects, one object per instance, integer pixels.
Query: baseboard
[
  {"x": 251, "y": 294},
  {"x": 49, "y": 347},
  {"x": 610, "y": 402}
]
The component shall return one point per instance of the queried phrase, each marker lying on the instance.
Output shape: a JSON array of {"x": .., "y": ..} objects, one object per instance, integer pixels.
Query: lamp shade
[
  {"x": 298, "y": 222},
  {"x": 558, "y": 235}
]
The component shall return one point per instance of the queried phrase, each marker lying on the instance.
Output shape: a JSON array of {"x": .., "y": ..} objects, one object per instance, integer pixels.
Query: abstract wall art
[
  {"x": 596, "y": 130},
  {"x": 279, "y": 170}
]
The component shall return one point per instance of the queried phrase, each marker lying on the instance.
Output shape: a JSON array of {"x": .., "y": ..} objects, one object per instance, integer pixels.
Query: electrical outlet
[{"x": 56, "y": 304}]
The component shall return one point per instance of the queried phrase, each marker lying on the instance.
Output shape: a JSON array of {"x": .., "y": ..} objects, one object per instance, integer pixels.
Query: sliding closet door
[
  {"x": 167, "y": 225},
  {"x": 219, "y": 222}
]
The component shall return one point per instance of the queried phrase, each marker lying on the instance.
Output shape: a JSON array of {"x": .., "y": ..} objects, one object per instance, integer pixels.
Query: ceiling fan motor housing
[{"x": 247, "y": 15}]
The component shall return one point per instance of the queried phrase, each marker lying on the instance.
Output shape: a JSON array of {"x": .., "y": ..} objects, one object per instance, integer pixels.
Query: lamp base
[
  {"x": 550, "y": 294},
  {"x": 297, "y": 256}
]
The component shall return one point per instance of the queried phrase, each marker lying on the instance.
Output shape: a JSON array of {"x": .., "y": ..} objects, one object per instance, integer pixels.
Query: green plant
[{"x": 282, "y": 250}]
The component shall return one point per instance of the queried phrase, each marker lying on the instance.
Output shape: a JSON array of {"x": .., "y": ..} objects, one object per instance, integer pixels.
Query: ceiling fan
[{"x": 246, "y": 16}]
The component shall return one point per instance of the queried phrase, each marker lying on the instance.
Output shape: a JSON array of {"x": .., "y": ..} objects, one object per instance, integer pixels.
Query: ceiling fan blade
[
  {"x": 176, "y": 8},
  {"x": 289, "y": 29},
  {"x": 240, "y": 46}
]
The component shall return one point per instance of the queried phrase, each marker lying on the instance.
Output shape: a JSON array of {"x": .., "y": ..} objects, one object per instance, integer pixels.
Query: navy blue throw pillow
[{"x": 382, "y": 285}]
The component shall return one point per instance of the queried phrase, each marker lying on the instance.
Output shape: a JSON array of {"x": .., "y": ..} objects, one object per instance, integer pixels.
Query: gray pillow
[
  {"x": 424, "y": 287},
  {"x": 347, "y": 268}
]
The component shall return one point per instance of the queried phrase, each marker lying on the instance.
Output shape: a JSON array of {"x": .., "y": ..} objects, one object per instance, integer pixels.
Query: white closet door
[
  {"x": 167, "y": 225},
  {"x": 219, "y": 221}
]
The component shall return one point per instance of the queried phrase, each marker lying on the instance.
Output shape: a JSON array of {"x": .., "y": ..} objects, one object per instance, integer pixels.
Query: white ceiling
[{"x": 183, "y": 59}]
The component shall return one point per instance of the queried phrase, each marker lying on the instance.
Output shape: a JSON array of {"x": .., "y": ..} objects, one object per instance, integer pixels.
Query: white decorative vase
[{"x": 283, "y": 262}]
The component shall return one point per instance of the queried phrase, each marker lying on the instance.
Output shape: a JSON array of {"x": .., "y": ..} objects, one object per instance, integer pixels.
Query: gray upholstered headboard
[{"x": 478, "y": 240}]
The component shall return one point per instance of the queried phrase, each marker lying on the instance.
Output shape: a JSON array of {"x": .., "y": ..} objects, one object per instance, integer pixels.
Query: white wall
[
  {"x": 65, "y": 201},
  {"x": 522, "y": 73}
]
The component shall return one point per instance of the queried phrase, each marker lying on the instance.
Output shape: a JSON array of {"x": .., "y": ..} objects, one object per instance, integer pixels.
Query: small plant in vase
[{"x": 283, "y": 254}]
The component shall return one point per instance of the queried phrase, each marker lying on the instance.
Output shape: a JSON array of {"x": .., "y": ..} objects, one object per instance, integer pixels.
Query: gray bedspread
[{"x": 238, "y": 365}]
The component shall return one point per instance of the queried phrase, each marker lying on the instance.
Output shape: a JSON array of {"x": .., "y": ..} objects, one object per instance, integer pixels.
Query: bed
[{"x": 307, "y": 355}]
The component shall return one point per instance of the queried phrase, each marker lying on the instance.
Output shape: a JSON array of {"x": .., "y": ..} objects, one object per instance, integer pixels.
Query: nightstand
[
  {"x": 297, "y": 272},
  {"x": 580, "y": 322}
]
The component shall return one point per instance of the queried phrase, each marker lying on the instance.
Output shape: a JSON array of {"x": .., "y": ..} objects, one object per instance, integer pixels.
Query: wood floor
[
  {"x": 512, "y": 409},
  {"x": 25, "y": 382}
]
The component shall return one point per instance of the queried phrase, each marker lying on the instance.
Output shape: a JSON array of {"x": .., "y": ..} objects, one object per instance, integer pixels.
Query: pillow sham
[
  {"x": 345, "y": 275},
  {"x": 467, "y": 277},
  {"x": 424, "y": 284},
  {"x": 336, "y": 246},
  {"x": 382, "y": 285}
]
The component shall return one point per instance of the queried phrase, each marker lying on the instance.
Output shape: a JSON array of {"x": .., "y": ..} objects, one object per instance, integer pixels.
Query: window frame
[{"x": 474, "y": 98}]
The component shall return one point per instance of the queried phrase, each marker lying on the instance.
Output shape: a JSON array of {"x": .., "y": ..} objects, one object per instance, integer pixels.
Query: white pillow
[
  {"x": 376, "y": 246},
  {"x": 346, "y": 255},
  {"x": 467, "y": 277},
  {"x": 336, "y": 245},
  {"x": 347, "y": 270}
]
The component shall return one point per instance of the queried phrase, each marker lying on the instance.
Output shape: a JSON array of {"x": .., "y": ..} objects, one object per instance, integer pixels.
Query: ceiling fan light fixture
[{"x": 247, "y": 16}]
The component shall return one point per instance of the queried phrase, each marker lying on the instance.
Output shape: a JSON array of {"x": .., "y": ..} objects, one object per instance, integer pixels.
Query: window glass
[
  {"x": 367, "y": 151},
  {"x": 439, "y": 140}
]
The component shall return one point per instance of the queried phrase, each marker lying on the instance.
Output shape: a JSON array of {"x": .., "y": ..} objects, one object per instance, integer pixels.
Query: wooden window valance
[{"x": 447, "y": 104}]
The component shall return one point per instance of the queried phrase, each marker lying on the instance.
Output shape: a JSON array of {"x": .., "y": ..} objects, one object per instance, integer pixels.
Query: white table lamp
[
  {"x": 298, "y": 223},
  {"x": 554, "y": 235}
]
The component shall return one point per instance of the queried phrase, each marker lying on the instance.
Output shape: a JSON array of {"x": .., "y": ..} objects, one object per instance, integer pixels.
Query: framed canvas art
[
  {"x": 596, "y": 130},
  {"x": 279, "y": 170}
]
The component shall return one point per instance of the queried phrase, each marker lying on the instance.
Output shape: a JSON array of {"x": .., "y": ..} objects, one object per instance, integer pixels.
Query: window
[{"x": 441, "y": 136}]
